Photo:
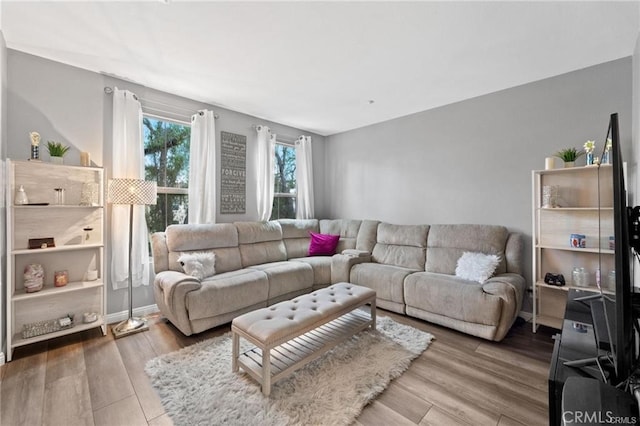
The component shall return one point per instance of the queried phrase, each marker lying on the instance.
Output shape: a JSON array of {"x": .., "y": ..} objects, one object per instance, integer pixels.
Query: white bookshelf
[{"x": 76, "y": 249}]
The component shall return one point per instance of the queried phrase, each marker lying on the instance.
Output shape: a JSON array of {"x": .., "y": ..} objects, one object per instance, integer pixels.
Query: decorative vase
[
  {"x": 589, "y": 158},
  {"x": 568, "y": 164},
  {"x": 549, "y": 196},
  {"x": 57, "y": 160},
  {"x": 33, "y": 277},
  {"x": 90, "y": 194}
]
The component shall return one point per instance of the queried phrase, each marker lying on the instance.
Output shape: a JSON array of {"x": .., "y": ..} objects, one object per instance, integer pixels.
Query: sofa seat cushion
[
  {"x": 386, "y": 280},
  {"x": 227, "y": 292},
  {"x": 286, "y": 277},
  {"x": 452, "y": 297},
  {"x": 321, "y": 266}
]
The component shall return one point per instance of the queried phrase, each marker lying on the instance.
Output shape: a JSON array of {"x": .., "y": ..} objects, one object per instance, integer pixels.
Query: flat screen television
[{"x": 618, "y": 308}]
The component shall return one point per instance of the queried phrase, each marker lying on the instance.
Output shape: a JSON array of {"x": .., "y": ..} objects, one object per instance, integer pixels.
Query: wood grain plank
[
  {"x": 377, "y": 414},
  {"x": 107, "y": 375},
  {"x": 163, "y": 420},
  {"x": 126, "y": 412},
  {"x": 24, "y": 380},
  {"x": 499, "y": 367},
  {"x": 404, "y": 402},
  {"x": 438, "y": 417},
  {"x": 67, "y": 401},
  {"x": 65, "y": 358},
  {"x": 135, "y": 351},
  {"x": 507, "y": 421},
  {"x": 447, "y": 399},
  {"x": 529, "y": 387},
  {"x": 504, "y": 354},
  {"x": 482, "y": 389}
]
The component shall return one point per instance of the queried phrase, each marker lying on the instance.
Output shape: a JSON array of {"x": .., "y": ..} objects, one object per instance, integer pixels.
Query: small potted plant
[
  {"x": 57, "y": 151},
  {"x": 569, "y": 156}
]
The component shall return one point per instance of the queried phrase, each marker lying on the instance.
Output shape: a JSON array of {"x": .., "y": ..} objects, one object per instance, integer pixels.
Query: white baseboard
[
  {"x": 2, "y": 359},
  {"x": 137, "y": 312},
  {"x": 527, "y": 316}
]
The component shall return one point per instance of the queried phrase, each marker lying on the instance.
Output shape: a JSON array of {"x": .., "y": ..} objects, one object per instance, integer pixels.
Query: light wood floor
[{"x": 88, "y": 379}]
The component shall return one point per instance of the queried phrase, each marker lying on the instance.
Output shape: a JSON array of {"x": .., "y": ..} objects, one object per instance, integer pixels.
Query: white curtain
[
  {"x": 128, "y": 162},
  {"x": 304, "y": 178},
  {"x": 265, "y": 175},
  {"x": 202, "y": 168}
]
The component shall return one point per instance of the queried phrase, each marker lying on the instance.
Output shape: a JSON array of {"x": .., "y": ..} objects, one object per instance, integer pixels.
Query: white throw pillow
[
  {"x": 477, "y": 266},
  {"x": 200, "y": 264}
]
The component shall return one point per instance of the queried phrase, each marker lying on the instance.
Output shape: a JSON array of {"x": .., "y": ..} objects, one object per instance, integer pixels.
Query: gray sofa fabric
[{"x": 411, "y": 268}]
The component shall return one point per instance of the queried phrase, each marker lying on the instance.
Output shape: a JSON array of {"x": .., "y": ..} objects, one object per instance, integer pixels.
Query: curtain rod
[
  {"x": 286, "y": 139},
  {"x": 108, "y": 90}
]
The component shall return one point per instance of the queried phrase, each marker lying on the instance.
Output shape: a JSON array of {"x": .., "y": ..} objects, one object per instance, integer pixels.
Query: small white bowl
[{"x": 88, "y": 317}]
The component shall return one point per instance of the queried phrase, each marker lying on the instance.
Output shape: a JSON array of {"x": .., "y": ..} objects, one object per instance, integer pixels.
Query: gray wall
[
  {"x": 69, "y": 104},
  {"x": 471, "y": 162}
]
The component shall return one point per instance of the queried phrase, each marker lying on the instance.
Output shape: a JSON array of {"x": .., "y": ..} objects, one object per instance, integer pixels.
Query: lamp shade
[{"x": 132, "y": 191}]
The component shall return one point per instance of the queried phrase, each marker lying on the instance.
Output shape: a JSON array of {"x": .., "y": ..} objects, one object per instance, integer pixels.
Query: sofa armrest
[
  {"x": 174, "y": 287},
  {"x": 510, "y": 288},
  {"x": 356, "y": 253},
  {"x": 341, "y": 265}
]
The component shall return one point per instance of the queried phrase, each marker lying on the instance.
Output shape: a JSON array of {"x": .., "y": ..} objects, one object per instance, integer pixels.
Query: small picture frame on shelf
[{"x": 41, "y": 243}]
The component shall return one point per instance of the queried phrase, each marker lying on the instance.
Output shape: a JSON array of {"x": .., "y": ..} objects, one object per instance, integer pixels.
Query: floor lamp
[{"x": 132, "y": 192}]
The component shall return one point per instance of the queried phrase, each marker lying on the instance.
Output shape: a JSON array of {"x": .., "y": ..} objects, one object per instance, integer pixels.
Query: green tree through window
[
  {"x": 166, "y": 161},
  {"x": 284, "y": 200}
]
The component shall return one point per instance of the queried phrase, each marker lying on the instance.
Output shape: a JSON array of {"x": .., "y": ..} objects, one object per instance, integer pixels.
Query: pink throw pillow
[{"x": 323, "y": 244}]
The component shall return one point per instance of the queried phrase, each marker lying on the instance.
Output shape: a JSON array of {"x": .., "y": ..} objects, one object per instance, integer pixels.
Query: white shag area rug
[{"x": 197, "y": 387}]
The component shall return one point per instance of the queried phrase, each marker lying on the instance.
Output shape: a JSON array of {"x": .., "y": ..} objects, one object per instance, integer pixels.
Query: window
[
  {"x": 166, "y": 161},
  {"x": 284, "y": 199}
]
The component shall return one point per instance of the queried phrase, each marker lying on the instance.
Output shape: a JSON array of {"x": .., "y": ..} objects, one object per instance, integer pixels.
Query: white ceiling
[{"x": 316, "y": 65}]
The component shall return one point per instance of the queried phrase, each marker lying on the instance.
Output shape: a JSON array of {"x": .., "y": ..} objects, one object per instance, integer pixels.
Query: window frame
[
  {"x": 169, "y": 190},
  {"x": 285, "y": 194}
]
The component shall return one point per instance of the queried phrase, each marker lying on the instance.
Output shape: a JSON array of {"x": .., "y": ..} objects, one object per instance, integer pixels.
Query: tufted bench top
[{"x": 271, "y": 324}]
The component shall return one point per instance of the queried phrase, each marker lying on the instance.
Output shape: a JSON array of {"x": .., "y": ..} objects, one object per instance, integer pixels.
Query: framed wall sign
[{"x": 233, "y": 173}]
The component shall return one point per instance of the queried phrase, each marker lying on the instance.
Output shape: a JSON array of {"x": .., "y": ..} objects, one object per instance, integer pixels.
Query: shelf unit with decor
[
  {"x": 77, "y": 227},
  {"x": 584, "y": 206}
]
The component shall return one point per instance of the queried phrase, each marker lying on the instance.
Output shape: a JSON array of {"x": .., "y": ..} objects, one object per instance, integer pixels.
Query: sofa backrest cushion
[
  {"x": 446, "y": 243},
  {"x": 218, "y": 238},
  {"x": 260, "y": 242},
  {"x": 401, "y": 245},
  {"x": 295, "y": 233},
  {"x": 367, "y": 235},
  {"x": 346, "y": 228}
]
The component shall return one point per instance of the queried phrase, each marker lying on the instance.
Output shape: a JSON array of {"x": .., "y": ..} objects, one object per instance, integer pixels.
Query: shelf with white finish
[{"x": 78, "y": 233}]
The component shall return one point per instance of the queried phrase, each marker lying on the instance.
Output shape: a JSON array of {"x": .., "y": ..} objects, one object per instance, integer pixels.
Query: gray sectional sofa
[{"x": 411, "y": 267}]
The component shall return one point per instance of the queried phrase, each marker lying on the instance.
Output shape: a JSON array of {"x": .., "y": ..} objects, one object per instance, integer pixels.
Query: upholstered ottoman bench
[{"x": 292, "y": 333}]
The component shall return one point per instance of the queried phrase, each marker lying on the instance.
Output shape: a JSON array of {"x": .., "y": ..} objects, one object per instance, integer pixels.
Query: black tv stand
[{"x": 576, "y": 356}]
